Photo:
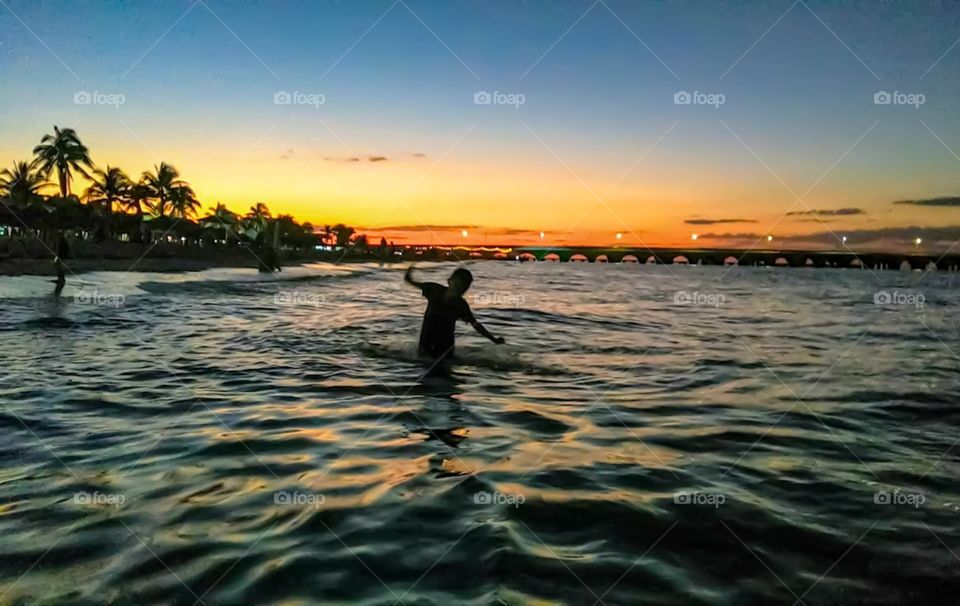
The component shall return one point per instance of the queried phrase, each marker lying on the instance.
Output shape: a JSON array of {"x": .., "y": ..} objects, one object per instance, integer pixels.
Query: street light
[
  {"x": 844, "y": 239},
  {"x": 918, "y": 242}
]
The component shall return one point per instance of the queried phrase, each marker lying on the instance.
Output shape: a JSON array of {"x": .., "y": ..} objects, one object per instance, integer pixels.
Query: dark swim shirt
[{"x": 440, "y": 320}]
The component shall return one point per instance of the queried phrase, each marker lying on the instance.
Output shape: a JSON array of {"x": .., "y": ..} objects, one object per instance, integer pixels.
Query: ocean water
[{"x": 648, "y": 435}]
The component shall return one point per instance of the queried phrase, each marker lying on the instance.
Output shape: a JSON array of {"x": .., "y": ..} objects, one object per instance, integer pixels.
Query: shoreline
[
  {"x": 34, "y": 259},
  {"x": 45, "y": 267}
]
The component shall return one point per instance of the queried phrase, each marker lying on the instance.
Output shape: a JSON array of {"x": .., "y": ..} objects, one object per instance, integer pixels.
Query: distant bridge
[{"x": 706, "y": 256}]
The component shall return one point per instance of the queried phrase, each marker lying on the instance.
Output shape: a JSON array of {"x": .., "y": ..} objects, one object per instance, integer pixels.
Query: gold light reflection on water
[
  {"x": 313, "y": 434},
  {"x": 377, "y": 477},
  {"x": 573, "y": 453},
  {"x": 221, "y": 492},
  {"x": 511, "y": 596}
]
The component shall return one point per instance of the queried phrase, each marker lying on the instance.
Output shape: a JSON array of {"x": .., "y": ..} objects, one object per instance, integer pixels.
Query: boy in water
[{"x": 445, "y": 305}]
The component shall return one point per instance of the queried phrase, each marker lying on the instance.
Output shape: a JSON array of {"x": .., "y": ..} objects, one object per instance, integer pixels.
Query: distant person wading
[{"x": 63, "y": 251}]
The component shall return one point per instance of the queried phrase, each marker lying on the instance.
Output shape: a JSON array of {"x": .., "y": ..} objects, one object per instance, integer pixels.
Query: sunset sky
[{"x": 597, "y": 147}]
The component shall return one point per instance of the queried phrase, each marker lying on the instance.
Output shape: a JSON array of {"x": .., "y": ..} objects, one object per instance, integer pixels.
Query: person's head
[{"x": 460, "y": 280}]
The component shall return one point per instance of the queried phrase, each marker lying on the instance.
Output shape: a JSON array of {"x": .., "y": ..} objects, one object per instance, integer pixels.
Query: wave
[{"x": 491, "y": 357}]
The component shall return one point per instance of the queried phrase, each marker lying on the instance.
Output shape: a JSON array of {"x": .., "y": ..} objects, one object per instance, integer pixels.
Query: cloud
[
  {"x": 828, "y": 212},
  {"x": 946, "y": 201},
  {"x": 510, "y": 231},
  {"x": 286, "y": 155},
  {"x": 716, "y": 221},
  {"x": 356, "y": 159},
  {"x": 419, "y": 155},
  {"x": 426, "y": 227}
]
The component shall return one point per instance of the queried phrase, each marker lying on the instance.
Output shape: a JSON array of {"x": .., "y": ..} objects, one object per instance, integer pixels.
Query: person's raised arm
[{"x": 409, "y": 279}]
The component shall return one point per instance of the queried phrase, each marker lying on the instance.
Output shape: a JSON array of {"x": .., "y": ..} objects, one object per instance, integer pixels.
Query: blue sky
[{"x": 598, "y": 80}]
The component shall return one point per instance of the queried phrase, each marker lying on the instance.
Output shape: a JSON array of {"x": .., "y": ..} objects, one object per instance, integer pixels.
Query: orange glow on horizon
[{"x": 470, "y": 201}]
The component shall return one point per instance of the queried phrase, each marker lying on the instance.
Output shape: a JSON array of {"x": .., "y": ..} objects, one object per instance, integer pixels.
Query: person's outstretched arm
[
  {"x": 466, "y": 314},
  {"x": 480, "y": 328}
]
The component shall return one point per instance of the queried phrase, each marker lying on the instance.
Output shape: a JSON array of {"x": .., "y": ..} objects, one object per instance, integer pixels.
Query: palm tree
[
  {"x": 259, "y": 213},
  {"x": 136, "y": 198},
  {"x": 343, "y": 234},
  {"x": 159, "y": 184},
  {"x": 109, "y": 186},
  {"x": 255, "y": 221},
  {"x": 183, "y": 202},
  {"x": 221, "y": 217},
  {"x": 62, "y": 151},
  {"x": 21, "y": 185}
]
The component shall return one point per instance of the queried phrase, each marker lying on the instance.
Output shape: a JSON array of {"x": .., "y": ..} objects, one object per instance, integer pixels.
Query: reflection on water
[{"x": 649, "y": 435}]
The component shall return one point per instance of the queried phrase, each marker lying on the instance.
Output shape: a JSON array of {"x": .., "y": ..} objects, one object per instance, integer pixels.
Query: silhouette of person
[
  {"x": 269, "y": 260},
  {"x": 63, "y": 251},
  {"x": 445, "y": 305}
]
